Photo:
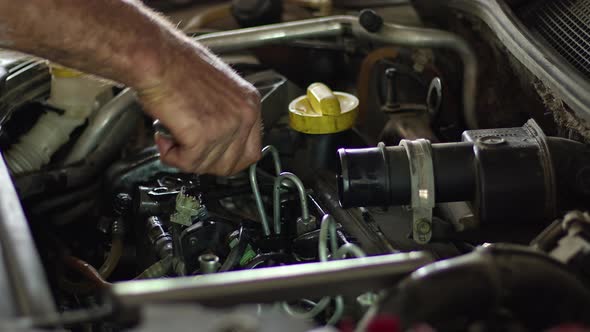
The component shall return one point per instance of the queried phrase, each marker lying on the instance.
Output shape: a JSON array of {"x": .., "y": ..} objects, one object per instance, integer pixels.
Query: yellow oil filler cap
[
  {"x": 63, "y": 72},
  {"x": 322, "y": 111}
]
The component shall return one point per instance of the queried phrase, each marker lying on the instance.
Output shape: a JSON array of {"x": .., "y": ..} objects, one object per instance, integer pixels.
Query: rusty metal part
[{"x": 363, "y": 82}]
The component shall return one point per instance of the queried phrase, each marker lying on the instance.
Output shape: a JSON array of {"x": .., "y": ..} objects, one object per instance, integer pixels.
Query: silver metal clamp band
[{"x": 422, "y": 181}]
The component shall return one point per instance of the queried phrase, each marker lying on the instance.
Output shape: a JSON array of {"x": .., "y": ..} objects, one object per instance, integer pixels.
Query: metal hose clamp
[{"x": 422, "y": 181}]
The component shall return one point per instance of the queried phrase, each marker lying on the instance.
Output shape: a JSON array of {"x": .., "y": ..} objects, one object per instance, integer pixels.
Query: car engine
[{"x": 425, "y": 168}]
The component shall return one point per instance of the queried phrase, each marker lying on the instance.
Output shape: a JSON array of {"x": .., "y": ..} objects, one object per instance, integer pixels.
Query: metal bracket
[{"x": 422, "y": 181}]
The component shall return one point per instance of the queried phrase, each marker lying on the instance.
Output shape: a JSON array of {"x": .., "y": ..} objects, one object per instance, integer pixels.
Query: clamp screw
[{"x": 423, "y": 227}]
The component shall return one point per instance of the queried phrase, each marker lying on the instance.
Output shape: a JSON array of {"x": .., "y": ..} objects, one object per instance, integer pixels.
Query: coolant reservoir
[
  {"x": 77, "y": 95},
  {"x": 74, "y": 92},
  {"x": 322, "y": 111}
]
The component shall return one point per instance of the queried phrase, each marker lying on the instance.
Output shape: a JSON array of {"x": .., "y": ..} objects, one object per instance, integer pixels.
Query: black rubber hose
[
  {"x": 536, "y": 289},
  {"x": 381, "y": 176}
]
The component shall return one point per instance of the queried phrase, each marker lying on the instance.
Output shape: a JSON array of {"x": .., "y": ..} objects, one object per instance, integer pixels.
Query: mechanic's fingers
[
  {"x": 215, "y": 157},
  {"x": 198, "y": 157},
  {"x": 185, "y": 159},
  {"x": 243, "y": 146},
  {"x": 238, "y": 152},
  {"x": 254, "y": 143},
  {"x": 226, "y": 165},
  {"x": 214, "y": 142},
  {"x": 251, "y": 151},
  {"x": 229, "y": 153},
  {"x": 164, "y": 145}
]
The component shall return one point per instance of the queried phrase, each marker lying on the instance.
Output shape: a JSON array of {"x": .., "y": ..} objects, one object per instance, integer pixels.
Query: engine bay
[{"x": 420, "y": 172}]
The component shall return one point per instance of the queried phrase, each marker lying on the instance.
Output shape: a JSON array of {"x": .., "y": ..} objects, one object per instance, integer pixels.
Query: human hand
[{"x": 212, "y": 113}]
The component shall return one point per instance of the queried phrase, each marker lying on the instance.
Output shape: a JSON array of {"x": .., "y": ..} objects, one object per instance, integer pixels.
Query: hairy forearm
[
  {"x": 213, "y": 114},
  {"x": 117, "y": 39}
]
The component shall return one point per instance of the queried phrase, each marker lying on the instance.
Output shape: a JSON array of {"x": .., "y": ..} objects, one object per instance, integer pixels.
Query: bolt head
[
  {"x": 423, "y": 227},
  {"x": 492, "y": 140},
  {"x": 390, "y": 72}
]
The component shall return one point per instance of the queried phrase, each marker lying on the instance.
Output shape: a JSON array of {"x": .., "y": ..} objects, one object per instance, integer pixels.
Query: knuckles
[
  {"x": 211, "y": 124},
  {"x": 226, "y": 171}
]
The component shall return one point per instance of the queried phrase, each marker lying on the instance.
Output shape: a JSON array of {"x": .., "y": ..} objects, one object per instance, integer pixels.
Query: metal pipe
[
  {"x": 101, "y": 124},
  {"x": 327, "y": 230},
  {"x": 256, "y": 190},
  {"x": 338, "y": 311},
  {"x": 349, "y": 249},
  {"x": 283, "y": 283},
  {"x": 328, "y": 225},
  {"x": 283, "y": 177},
  {"x": 235, "y": 40},
  {"x": 316, "y": 309},
  {"x": 208, "y": 263}
]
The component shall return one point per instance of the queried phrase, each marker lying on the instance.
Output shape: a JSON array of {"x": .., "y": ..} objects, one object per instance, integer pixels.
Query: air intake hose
[{"x": 507, "y": 173}]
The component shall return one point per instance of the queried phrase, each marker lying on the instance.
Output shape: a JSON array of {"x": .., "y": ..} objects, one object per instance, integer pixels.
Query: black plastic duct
[
  {"x": 535, "y": 289},
  {"x": 508, "y": 173}
]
